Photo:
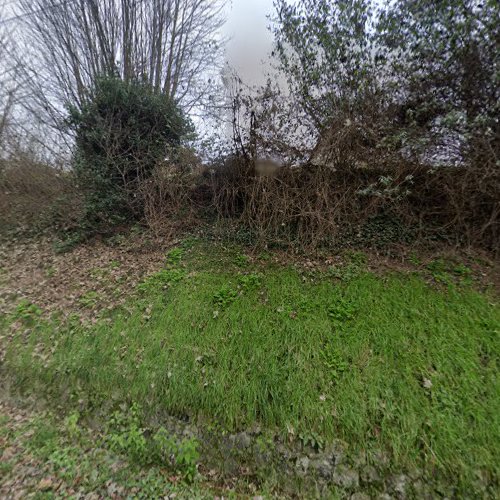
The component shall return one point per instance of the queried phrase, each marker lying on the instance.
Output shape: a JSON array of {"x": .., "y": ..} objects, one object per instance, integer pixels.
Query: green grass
[{"x": 385, "y": 363}]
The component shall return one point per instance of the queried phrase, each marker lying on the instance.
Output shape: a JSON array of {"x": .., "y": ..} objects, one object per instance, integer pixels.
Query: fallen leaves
[
  {"x": 45, "y": 484},
  {"x": 31, "y": 270}
]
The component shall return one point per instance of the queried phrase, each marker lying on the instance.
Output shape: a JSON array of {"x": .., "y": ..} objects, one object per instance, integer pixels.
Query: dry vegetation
[
  {"x": 307, "y": 206},
  {"x": 36, "y": 196}
]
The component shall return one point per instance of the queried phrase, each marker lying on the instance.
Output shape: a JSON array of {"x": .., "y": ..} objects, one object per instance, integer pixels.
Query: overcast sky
[{"x": 250, "y": 40}]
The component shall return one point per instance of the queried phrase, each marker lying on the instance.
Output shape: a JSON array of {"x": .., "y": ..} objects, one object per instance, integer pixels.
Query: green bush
[{"x": 122, "y": 131}]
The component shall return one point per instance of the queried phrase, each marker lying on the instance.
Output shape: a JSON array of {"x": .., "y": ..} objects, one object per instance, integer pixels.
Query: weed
[
  {"x": 265, "y": 256},
  {"x": 27, "y": 312},
  {"x": 98, "y": 272},
  {"x": 182, "y": 455},
  {"x": 65, "y": 461},
  {"x": 149, "y": 485},
  {"x": 161, "y": 280},
  {"x": 353, "y": 269},
  {"x": 70, "y": 241},
  {"x": 264, "y": 444},
  {"x": 414, "y": 260},
  {"x": 437, "y": 266},
  {"x": 126, "y": 436},
  {"x": 225, "y": 296},
  {"x": 250, "y": 281},
  {"x": 443, "y": 270},
  {"x": 89, "y": 299},
  {"x": 71, "y": 424},
  {"x": 345, "y": 273},
  {"x": 462, "y": 270},
  {"x": 189, "y": 243},
  {"x": 242, "y": 236},
  {"x": 117, "y": 240},
  {"x": 4, "y": 419},
  {"x": 186, "y": 457},
  {"x": 174, "y": 256},
  {"x": 44, "y": 437},
  {"x": 312, "y": 439},
  {"x": 241, "y": 260},
  {"x": 72, "y": 454},
  {"x": 357, "y": 258},
  {"x": 307, "y": 306},
  {"x": 334, "y": 361},
  {"x": 5, "y": 467},
  {"x": 341, "y": 311},
  {"x": 50, "y": 272},
  {"x": 446, "y": 271}
]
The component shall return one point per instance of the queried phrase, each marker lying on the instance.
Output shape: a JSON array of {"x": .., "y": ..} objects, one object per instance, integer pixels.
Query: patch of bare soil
[{"x": 86, "y": 280}]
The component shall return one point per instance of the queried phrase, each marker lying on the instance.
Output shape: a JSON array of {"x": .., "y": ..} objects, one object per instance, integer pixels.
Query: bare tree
[
  {"x": 7, "y": 89},
  {"x": 174, "y": 45}
]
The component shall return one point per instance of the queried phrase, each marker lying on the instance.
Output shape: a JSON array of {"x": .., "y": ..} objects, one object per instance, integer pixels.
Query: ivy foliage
[{"x": 122, "y": 132}]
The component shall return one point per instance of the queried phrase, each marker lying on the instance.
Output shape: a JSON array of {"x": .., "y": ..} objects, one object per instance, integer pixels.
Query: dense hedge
[{"x": 122, "y": 132}]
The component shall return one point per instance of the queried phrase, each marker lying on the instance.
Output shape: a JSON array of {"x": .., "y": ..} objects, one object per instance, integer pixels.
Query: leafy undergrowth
[
  {"x": 43, "y": 457},
  {"x": 386, "y": 363}
]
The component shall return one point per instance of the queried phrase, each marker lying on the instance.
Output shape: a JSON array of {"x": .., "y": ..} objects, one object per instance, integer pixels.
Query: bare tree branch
[{"x": 171, "y": 44}]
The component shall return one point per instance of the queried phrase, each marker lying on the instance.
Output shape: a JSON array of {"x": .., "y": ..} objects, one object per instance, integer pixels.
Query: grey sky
[{"x": 250, "y": 40}]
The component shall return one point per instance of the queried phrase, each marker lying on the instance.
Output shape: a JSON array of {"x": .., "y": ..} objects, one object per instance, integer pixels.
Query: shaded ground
[{"x": 43, "y": 458}]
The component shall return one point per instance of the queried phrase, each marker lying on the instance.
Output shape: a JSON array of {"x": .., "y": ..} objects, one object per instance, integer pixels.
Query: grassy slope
[{"x": 384, "y": 363}]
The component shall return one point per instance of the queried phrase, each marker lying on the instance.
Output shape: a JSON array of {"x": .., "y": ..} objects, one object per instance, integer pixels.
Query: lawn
[{"x": 406, "y": 362}]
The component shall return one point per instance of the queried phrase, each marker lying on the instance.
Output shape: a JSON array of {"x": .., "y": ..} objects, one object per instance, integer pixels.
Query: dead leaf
[
  {"x": 45, "y": 484},
  {"x": 426, "y": 383}
]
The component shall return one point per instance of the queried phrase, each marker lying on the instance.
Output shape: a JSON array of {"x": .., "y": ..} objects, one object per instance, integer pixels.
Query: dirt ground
[{"x": 85, "y": 280}]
